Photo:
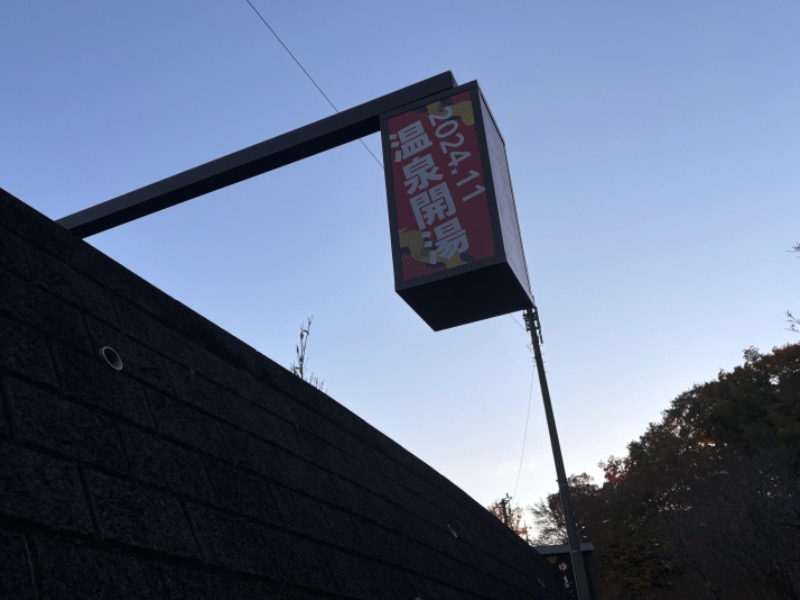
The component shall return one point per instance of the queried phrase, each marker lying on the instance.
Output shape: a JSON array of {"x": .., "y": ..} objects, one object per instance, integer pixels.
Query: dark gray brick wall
[
  {"x": 203, "y": 469},
  {"x": 16, "y": 581}
]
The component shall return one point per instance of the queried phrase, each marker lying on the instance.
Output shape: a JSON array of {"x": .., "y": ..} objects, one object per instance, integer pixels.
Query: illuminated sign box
[{"x": 456, "y": 244}]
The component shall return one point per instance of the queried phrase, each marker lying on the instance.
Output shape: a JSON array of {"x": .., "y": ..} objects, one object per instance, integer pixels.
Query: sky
[{"x": 653, "y": 148}]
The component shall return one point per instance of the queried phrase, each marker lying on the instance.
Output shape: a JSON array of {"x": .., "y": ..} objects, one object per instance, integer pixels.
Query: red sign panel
[
  {"x": 440, "y": 200},
  {"x": 456, "y": 246}
]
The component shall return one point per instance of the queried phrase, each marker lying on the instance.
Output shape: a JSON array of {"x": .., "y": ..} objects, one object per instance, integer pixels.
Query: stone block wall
[{"x": 203, "y": 469}]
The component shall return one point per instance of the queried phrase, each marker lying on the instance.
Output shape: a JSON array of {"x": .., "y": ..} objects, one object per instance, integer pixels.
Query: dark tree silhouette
[{"x": 706, "y": 503}]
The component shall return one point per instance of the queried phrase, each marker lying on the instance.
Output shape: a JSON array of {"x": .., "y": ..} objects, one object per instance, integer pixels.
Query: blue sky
[{"x": 654, "y": 149}]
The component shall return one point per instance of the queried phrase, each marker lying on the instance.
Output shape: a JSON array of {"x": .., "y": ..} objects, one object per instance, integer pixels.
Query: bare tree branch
[{"x": 299, "y": 367}]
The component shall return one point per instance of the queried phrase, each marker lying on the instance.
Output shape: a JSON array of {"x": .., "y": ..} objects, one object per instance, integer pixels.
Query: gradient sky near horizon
[{"x": 654, "y": 149}]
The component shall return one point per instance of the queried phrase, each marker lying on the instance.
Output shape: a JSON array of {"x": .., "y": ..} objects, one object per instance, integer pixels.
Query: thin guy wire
[
  {"x": 517, "y": 322},
  {"x": 310, "y": 78},
  {"x": 525, "y": 435}
]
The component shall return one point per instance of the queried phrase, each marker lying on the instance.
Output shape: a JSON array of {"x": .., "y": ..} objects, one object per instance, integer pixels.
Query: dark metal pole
[
  {"x": 581, "y": 583},
  {"x": 338, "y": 129}
]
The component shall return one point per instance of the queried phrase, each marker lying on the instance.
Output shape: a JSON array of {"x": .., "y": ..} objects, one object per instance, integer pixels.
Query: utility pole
[{"x": 532, "y": 324}]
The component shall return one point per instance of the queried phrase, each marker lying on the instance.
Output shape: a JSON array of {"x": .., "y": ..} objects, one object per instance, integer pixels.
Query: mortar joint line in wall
[
  {"x": 30, "y": 527},
  {"x": 108, "y": 545},
  {"x": 415, "y": 539},
  {"x": 162, "y": 580},
  {"x": 38, "y": 383},
  {"x": 28, "y": 262},
  {"x": 33, "y": 566},
  {"x": 5, "y": 399},
  {"x": 114, "y": 305},
  {"x": 123, "y": 447},
  {"x": 89, "y": 502},
  {"x": 149, "y": 406},
  {"x": 193, "y": 531},
  {"x": 77, "y": 462}
]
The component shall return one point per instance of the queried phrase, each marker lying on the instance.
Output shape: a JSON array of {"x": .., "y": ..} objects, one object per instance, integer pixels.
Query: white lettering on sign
[
  {"x": 450, "y": 239},
  {"x": 409, "y": 140},
  {"x": 435, "y": 152},
  {"x": 432, "y": 205},
  {"x": 419, "y": 172}
]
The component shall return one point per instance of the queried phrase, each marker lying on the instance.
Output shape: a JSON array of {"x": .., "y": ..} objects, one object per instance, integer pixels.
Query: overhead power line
[{"x": 307, "y": 74}]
